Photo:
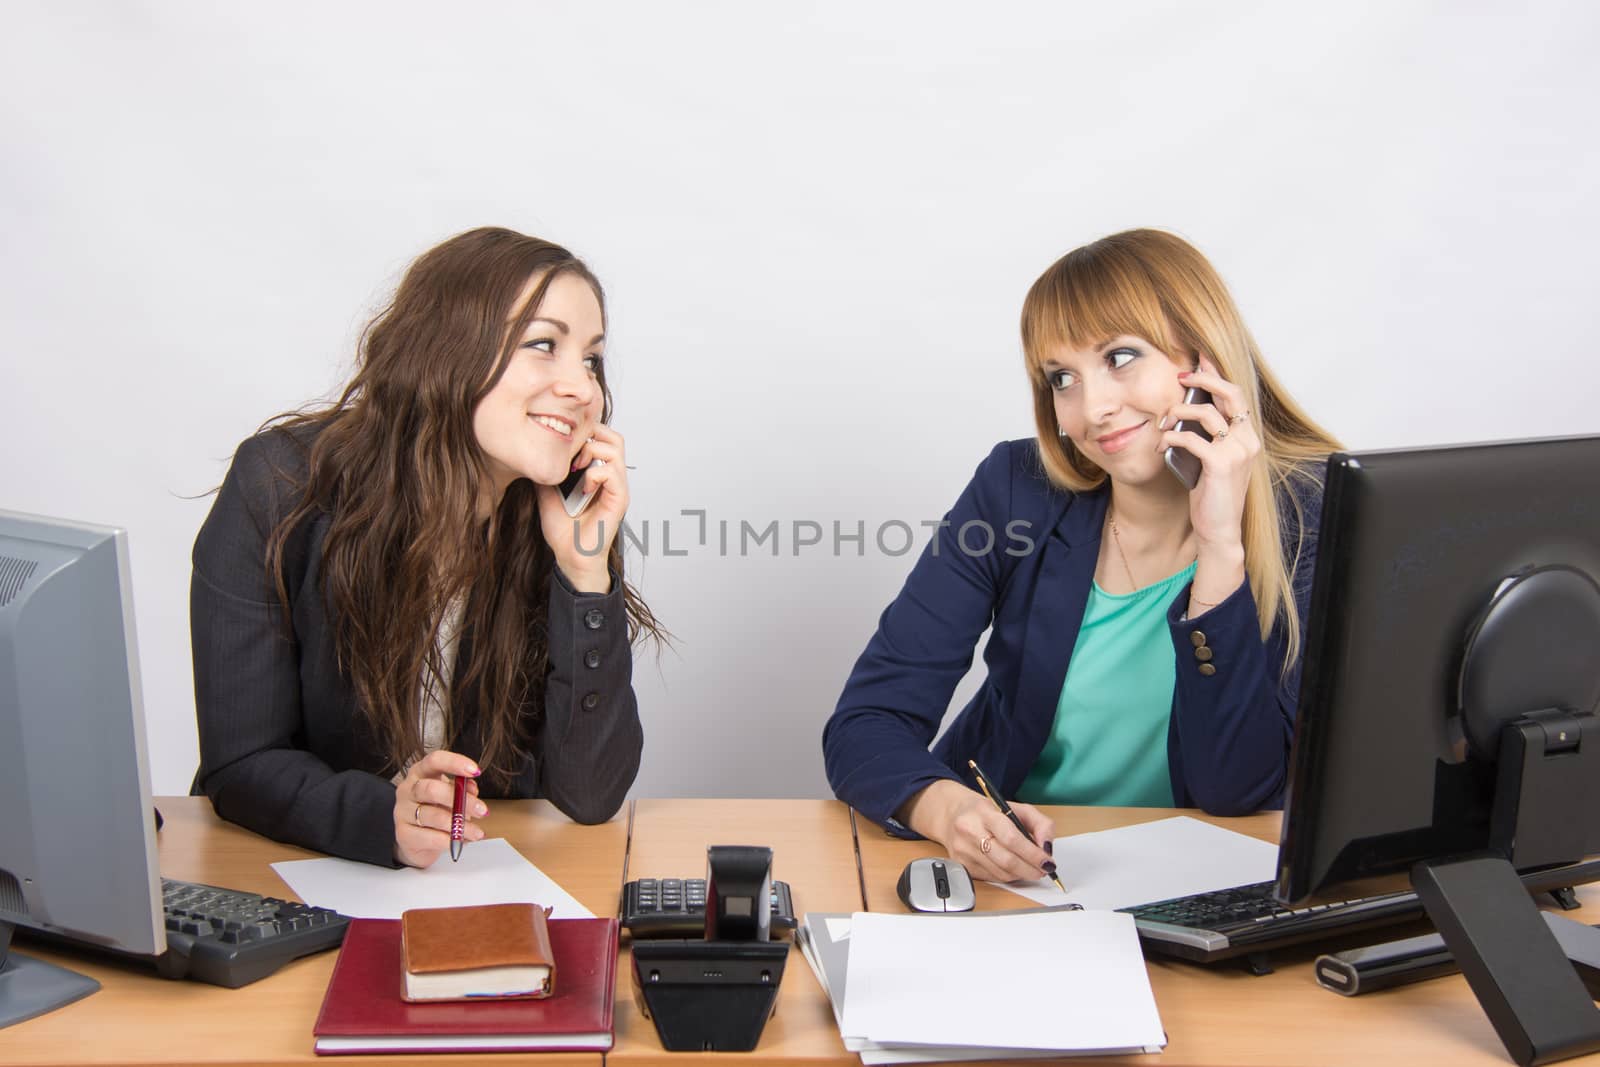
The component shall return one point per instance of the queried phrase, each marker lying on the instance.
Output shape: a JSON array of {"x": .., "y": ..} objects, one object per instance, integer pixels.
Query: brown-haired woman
[
  {"x": 1145, "y": 638},
  {"x": 389, "y": 592}
]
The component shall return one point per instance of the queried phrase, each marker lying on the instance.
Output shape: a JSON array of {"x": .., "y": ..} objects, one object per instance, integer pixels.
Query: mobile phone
[
  {"x": 1183, "y": 464},
  {"x": 573, "y": 495}
]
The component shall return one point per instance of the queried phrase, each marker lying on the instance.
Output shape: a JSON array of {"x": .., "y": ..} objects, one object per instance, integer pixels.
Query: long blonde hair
[{"x": 1157, "y": 286}]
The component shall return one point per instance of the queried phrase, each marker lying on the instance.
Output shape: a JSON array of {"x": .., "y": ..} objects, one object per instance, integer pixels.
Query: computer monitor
[
  {"x": 1448, "y": 707},
  {"x": 77, "y": 838}
]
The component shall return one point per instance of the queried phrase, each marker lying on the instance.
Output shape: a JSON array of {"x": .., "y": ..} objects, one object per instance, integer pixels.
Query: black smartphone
[
  {"x": 1183, "y": 464},
  {"x": 572, "y": 492}
]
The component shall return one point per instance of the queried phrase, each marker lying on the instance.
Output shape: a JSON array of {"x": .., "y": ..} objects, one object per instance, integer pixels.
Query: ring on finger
[
  {"x": 416, "y": 816},
  {"x": 1237, "y": 419},
  {"x": 987, "y": 844},
  {"x": 1220, "y": 434}
]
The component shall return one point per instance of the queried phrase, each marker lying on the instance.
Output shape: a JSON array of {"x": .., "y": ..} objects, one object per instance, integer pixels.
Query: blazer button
[
  {"x": 594, "y": 618},
  {"x": 1203, "y": 653},
  {"x": 591, "y": 658},
  {"x": 591, "y": 702},
  {"x": 1197, "y": 639},
  {"x": 1208, "y": 669}
]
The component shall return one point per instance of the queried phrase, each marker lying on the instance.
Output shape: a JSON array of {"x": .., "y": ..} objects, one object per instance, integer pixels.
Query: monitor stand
[
  {"x": 1546, "y": 762},
  {"x": 30, "y": 987},
  {"x": 1524, "y": 971}
]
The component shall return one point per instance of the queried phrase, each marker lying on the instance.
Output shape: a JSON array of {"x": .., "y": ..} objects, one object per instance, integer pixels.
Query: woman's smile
[
  {"x": 562, "y": 428},
  {"x": 1119, "y": 440}
]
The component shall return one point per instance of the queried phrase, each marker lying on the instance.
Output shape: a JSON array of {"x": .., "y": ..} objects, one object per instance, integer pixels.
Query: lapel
[
  {"x": 467, "y": 718},
  {"x": 1059, "y": 595},
  {"x": 464, "y": 710}
]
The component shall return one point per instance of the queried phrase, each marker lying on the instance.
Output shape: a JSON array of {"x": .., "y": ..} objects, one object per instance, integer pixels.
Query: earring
[{"x": 1060, "y": 432}]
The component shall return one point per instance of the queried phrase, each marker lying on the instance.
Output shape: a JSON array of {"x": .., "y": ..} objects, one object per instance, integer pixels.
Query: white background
[{"x": 816, "y": 224}]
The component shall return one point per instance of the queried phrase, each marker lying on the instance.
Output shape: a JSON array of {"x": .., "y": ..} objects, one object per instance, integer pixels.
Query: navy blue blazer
[{"x": 1018, "y": 554}]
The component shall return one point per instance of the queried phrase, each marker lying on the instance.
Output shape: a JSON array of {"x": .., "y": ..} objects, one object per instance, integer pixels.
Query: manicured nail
[
  {"x": 1185, "y": 373},
  {"x": 474, "y": 770},
  {"x": 1049, "y": 867},
  {"x": 1050, "y": 847},
  {"x": 1162, "y": 425}
]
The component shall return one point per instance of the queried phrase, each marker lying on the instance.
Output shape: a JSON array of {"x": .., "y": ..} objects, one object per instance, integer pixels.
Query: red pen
[{"x": 458, "y": 818}]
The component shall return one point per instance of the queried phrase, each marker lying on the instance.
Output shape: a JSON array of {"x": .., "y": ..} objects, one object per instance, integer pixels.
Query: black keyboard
[
  {"x": 231, "y": 938},
  {"x": 676, "y": 907},
  {"x": 1231, "y": 922},
  {"x": 1246, "y": 919}
]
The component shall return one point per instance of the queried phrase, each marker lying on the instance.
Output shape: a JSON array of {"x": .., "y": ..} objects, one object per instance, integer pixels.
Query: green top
[{"x": 1108, "y": 744}]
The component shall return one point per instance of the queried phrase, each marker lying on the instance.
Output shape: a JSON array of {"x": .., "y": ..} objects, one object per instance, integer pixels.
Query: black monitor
[
  {"x": 77, "y": 839},
  {"x": 1448, "y": 707}
]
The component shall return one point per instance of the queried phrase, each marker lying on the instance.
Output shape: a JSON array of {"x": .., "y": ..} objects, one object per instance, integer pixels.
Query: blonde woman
[{"x": 1145, "y": 645}]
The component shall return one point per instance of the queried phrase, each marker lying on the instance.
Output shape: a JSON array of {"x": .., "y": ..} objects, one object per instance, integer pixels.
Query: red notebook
[{"x": 363, "y": 1012}]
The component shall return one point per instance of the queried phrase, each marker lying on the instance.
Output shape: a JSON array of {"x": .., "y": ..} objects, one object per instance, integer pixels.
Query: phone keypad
[
  {"x": 676, "y": 907},
  {"x": 672, "y": 895}
]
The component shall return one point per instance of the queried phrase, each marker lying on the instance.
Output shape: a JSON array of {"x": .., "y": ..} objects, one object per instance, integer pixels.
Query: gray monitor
[{"x": 77, "y": 840}]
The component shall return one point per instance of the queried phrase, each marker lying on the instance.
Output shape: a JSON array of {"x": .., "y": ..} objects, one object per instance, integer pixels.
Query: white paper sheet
[
  {"x": 489, "y": 872},
  {"x": 1152, "y": 861},
  {"x": 873, "y": 1055},
  {"x": 1046, "y": 980},
  {"x": 835, "y": 931}
]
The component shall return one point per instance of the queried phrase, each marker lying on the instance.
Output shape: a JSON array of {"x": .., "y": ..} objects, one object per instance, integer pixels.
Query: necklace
[{"x": 1116, "y": 539}]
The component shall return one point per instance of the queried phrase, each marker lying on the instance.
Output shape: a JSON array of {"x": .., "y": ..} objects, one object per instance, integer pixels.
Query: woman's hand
[
  {"x": 422, "y": 807},
  {"x": 1216, "y": 505},
  {"x": 583, "y": 544},
  {"x": 974, "y": 832}
]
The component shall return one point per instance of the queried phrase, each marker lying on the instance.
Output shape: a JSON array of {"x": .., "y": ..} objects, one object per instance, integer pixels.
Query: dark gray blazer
[{"x": 283, "y": 748}]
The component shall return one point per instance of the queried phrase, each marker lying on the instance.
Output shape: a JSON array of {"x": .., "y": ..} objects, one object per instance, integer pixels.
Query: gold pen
[{"x": 1005, "y": 809}]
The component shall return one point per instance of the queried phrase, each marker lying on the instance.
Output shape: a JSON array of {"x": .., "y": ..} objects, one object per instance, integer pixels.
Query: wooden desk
[
  {"x": 139, "y": 1018},
  {"x": 1221, "y": 1015},
  {"x": 1215, "y": 1015},
  {"x": 812, "y": 851}
]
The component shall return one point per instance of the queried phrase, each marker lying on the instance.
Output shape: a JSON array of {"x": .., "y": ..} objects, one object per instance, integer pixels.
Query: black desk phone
[{"x": 676, "y": 907}]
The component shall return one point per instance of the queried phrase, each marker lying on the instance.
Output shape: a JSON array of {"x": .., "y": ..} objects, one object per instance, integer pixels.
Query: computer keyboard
[
  {"x": 1231, "y": 922},
  {"x": 231, "y": 938},
  {"x": 1244, "y": 920}
]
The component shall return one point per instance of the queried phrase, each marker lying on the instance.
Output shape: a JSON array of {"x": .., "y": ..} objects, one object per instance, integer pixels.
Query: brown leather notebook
[{"x": 490, "y": 950}]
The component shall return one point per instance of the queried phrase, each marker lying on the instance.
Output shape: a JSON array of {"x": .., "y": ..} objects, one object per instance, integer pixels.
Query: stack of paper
[{"x": 926, "y": 988}]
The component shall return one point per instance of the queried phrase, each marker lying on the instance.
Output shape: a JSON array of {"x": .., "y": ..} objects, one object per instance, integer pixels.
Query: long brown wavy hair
[
  {"x": 1157, "y": 286},
  {"x": 396, "y": 464}
]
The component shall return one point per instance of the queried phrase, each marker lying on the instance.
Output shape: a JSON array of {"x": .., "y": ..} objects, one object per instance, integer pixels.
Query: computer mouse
[{"x": 938, "y": 884}]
